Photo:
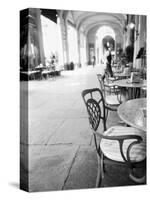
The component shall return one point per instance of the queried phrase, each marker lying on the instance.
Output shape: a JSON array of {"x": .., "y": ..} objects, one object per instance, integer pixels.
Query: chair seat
[
  {"x": 112, "y": 99},
  {"x": 109, "y": 84},
  {"x": 111, "y": 148},
  {"x": 45, "y": 72}
]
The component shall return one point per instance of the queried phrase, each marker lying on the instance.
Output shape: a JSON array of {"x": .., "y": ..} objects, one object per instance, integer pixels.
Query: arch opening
[{"x": 105, "y": 38}]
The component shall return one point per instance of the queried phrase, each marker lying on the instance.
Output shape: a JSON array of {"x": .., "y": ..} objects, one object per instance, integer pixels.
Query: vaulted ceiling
[{"x": 86, "y": 21}]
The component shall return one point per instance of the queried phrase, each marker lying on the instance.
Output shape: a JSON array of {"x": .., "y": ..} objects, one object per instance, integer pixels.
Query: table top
[
  {"x": 40, "y": 67},
  {"x": 122, "y": 74},
  {"x": 133, "y": 112},
  {"x": 128, "y": 83}
]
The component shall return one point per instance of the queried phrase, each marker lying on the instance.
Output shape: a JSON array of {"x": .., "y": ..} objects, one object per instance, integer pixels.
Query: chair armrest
[
  {"x": 110, "y": 108},
  {"x": 121, "y": 138}
]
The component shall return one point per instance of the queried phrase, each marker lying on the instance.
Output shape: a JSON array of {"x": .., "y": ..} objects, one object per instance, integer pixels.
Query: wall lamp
[{"x": 131, "y": 26}]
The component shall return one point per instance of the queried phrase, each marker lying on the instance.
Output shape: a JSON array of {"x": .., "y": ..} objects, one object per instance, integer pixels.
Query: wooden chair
[{"x": 117, "y": 145}]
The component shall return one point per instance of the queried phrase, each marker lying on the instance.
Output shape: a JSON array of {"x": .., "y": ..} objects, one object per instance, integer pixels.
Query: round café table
[
  {"x": 121, "y": 75},
  {"x": 128, "y": 83},
  {"x": 133, "y": 89},
  {"x": 40, "y": 67},
  {"x": 133, "y": 113}
]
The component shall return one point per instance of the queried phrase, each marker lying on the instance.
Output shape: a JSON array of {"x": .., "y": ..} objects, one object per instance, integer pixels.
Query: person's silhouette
[{"x": 108, "y": 62}]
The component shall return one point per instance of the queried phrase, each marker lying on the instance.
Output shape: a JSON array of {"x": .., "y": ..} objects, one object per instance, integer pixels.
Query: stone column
[
  {"x": 40, "y": 35},
  {"x": 115, "y": 50},
  {"x": 79, "y": 45},
  {"x": 63, "y": 36},
  {"x": 127, "y": 37},
  {"x": 66, "y": 42},
  {"x": 129, "y": 32},
  {"x": 142, "y": 31},
  {"x": 136, "y": 42},
  {"x": 87, "y": 51},
  {"x": 124, "y": 40},
  {"x": 140, "y": 38},
  {"x": 64, "y": 32},
  {"x": 142, "y": 35}
]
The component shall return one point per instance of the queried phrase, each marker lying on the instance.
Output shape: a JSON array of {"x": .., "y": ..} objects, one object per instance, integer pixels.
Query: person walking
[
  {"x": 93, "y": 60},
  {"x": 108, "y": 62}
]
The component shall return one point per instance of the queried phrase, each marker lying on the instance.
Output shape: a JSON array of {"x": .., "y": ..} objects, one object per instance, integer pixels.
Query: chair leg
[
  {"x": 102, "y": 166},
  {"x": 139, "y": 180},
  {"x": 106, "y": 114},
  {"x": 100, "y": 171}
]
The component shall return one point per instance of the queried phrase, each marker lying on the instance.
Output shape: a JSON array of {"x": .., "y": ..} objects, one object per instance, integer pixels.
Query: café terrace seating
[
  {"x": 29, "y": 74},
  {"x": 39, "y": 72},
  {"x": 111, "y": 93},
  {"x": 118, "y": 144}
]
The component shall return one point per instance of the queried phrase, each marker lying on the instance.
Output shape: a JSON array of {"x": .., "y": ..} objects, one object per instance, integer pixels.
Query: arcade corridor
[{"x": 61, "y": 53}]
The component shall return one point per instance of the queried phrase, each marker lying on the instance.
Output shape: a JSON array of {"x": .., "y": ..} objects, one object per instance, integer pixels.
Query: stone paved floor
[{"x": 61, "y": 151}]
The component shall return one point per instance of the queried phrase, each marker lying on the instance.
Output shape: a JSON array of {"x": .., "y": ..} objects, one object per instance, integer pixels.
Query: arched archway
[
  {"x": 105, "y": 37},
  {"x": 108, "y": 42}
]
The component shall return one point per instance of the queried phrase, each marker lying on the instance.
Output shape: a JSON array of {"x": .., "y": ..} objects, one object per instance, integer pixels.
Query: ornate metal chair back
[{"x": 94, "y": 101}]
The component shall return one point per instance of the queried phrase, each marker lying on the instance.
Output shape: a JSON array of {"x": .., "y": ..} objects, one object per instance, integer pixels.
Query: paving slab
[
  {"x": 42, "y": 129},
  {"x": 49, "y": 170},
  {"x": 84, "y": 170},
  {"x": 74, "y": 131}
]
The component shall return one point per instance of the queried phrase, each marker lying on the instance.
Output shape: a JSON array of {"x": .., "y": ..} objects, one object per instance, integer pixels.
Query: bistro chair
[
  {"x": 52, "y": 71},
  {"x": 111, "y": 93},
  {"x": 116, "y": 145},
  {"x": 143, "y": 92}
]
